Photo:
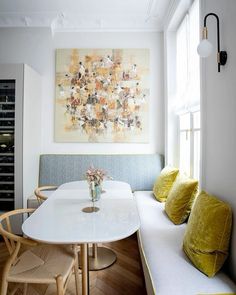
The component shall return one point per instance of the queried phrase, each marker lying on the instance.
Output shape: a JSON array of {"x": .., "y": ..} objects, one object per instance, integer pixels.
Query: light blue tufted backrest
[{"x": 140, "y": 171}]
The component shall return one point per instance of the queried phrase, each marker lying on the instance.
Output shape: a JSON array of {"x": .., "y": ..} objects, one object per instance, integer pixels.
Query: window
[
  {"x": 184, "y": 143},
  {"x": 188, "y": 92},
  {"x": 189, "y": 143}
]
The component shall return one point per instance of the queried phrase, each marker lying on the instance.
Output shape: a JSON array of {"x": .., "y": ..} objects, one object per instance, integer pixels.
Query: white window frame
[{"x": 190, "y": 132}]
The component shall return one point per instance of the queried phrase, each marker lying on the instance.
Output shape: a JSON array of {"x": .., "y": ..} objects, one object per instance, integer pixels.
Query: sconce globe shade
[{"x": 204, "y": 48}]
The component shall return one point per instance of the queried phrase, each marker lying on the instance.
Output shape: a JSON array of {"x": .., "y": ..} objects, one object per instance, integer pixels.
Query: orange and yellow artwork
[{"x": 102, "y": 95}]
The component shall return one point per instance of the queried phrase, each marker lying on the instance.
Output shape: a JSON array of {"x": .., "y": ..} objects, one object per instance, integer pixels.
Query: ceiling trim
[
  {"x": 65, "y": 22},
  {"x": 177, "y": 10},
  {"x": 148, "y": 20},
  {"x": 150, "y": 7},
  {"x": 170, "y": 12}
]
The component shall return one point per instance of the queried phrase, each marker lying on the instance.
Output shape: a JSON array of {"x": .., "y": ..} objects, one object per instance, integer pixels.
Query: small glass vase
[{"x": 95, "y": 191}]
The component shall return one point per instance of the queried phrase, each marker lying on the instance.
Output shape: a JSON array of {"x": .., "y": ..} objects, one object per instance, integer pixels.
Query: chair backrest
[
  {"x": 9, "y": 237},
  {"x": 39, "y": 192}
]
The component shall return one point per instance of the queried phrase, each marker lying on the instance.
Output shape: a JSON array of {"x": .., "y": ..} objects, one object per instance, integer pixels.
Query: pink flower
[{"x": 96, "y": 175}]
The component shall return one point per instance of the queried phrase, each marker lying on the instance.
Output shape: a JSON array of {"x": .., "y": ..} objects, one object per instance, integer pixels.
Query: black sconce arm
[{"x": 221, "y": 55}]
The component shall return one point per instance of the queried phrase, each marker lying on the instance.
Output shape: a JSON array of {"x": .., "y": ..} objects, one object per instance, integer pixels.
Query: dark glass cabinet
[
  {"x": 20, "y": 135},
  {"x": 7, "y": 132}
]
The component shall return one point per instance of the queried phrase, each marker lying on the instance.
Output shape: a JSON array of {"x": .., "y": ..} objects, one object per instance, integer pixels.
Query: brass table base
[
  {"x": 90, "y": 209},
  {"x": 100, "y": 258}
]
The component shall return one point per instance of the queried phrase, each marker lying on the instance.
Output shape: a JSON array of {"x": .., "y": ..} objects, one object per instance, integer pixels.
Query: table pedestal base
[{"x": 100, "y": 258}]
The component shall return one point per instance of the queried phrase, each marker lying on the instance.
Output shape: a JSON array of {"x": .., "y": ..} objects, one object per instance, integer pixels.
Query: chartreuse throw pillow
[
  {"x": 164, "y": 183},
  {"x": 180, "y": 199},
  {"x": 207, "y": 235}
]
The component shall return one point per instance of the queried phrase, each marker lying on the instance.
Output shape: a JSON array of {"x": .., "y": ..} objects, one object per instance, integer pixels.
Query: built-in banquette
[{"x": 166, "y": 268}]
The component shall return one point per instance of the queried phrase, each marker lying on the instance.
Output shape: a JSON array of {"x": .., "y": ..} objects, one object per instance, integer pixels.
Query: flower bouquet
[{"x": 95, "y": 178}]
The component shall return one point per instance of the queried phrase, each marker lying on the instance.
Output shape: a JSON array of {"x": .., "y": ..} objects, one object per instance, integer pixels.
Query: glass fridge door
[{"x": 7, "y": 129}]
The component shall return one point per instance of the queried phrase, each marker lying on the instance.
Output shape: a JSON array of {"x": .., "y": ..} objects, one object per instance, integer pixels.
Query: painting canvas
[{"x": 102, "y": 95}]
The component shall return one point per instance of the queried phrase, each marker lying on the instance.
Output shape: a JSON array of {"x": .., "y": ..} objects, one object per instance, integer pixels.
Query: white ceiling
[{"x": 85, "y": 15}]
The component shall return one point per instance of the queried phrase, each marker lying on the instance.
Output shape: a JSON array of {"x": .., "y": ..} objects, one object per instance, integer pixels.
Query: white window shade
[
  {"x": 194, "y": 61},
  {"x": 183, "y": 92},
  {"x": 187, "y": 61},
  {"x": 181, "y": 62}
]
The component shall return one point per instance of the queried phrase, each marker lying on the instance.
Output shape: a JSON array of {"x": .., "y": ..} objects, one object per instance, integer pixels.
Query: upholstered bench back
[{"x": 140, "y": 171}]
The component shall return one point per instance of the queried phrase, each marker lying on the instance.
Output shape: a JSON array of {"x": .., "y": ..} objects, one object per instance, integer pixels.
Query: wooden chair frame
[
  {"x": 40, "y": 196},
  {"x": 13, "y": 244}
]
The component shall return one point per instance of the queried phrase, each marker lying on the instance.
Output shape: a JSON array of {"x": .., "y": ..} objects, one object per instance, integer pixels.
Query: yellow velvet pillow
[
  {"x": 164, "y": 183},
  {"x": 207, "y": 236},
  {"x": 180, "y": 199}
]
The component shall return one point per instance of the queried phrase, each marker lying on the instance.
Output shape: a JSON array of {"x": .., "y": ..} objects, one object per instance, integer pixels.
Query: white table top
[
  {"x": 60, "y": 220},
  {"x": 110, "y": 185}
]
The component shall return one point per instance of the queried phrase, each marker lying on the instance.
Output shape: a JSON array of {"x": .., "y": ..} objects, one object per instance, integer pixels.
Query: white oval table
[{"x": 61, "y": 220}]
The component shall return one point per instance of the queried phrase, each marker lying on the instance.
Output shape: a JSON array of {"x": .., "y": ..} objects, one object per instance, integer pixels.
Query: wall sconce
[{"x": 205, "y": 48}]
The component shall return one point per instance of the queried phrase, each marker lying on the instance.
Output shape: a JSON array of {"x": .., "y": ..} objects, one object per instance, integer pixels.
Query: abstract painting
[{"x": 102, "y": 95}]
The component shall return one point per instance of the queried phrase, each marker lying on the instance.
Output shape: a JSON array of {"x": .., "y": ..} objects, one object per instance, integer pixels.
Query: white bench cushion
[{"x": 170, "y": 269}]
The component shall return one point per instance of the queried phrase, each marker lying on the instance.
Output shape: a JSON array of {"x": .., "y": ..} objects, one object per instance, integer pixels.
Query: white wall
[
  {"x": 31, "y": 127},
  {"x": 36, "y": 47},
  {"x": 219, "y": 111}
]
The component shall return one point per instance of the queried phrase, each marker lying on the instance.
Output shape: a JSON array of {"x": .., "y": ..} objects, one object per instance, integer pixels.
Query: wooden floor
[{"x": 123, "y": 277}]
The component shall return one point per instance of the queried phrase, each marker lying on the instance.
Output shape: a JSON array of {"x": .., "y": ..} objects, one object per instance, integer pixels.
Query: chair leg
[
  {"x": 4, "y": 287},
  {"x": 95, "y": 251},
  {"x": 60, "y": 287},
  {"x": 25, "y": 289},
  {"x": 76, "y": 270},
  {"x": 4, "y": 281}
]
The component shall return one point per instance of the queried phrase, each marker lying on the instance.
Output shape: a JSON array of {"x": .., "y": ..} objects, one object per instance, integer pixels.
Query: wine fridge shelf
[
  {"x": 6, "y": 174},
  {"x": 7, "y": 119}
]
